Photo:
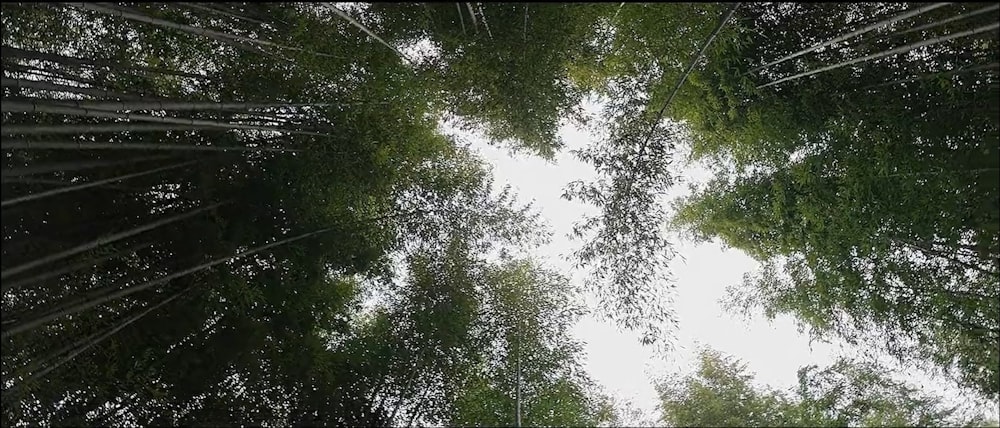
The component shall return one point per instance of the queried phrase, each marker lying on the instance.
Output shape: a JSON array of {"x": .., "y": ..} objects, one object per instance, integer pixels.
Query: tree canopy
[{"x": 249, "y": 213}]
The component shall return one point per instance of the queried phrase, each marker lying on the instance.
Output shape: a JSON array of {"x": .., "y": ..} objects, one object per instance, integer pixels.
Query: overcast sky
[{"x": 615, "y": 359}]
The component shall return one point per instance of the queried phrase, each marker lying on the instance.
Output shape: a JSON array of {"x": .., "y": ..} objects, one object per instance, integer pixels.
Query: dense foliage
[
  {"x": 247, "y": 213},
  {"x": 721, "y": 392}
]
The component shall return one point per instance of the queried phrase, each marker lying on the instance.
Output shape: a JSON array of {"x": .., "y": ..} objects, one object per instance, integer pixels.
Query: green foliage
[{"x": 848, "y": 393}]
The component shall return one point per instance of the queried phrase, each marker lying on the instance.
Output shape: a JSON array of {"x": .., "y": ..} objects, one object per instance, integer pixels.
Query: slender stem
[
  {"x": 104, "y": 240},
  {"x": 45, "y": 145},
  {"x": 35, "y": 196},
  {"x": 854, "y": 33},
  {"x": 890, "y": 52}
]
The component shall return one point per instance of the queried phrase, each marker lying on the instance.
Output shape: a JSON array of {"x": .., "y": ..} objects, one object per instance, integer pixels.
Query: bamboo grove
[{"x": 201, "y": 201}]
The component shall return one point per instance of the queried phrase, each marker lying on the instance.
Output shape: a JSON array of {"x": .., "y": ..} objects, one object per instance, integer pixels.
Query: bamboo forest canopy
[{"x": 249, "y": 213}]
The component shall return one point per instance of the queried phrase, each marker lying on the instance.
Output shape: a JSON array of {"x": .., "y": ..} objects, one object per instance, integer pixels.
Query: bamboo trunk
[
  {"x": 11, "y": 285},
  {"x": 472, "y": 15},
  {"x": 49, "y": 86},
  {"x": 76, "y": 187},
  {"x": 223, "y": 13},
  {"x": 73, "y": 166},
  {"x": 694, "y": 62},
  {"x": 167, "y": 105},
  {"x": 8, "y": 51},
  {"x": 114, "y": 11},
  {"x": 94, "y": 339},
  {"x": 99, "y": 128},
  {"x": 104, "y": 240},
  {"x": 32, "y": 107},
  {"x": 357, "y": 24},
  {"x": 84, "y": 304},
  {"x": 858, "y": 32},
  {"x": 461, "y": 18},
  {"x": 890, "y": 52},
  {"x": 49, "y": 145},
  {"x": 952, "y": 19},
  {"x": 932, "y": 75}
]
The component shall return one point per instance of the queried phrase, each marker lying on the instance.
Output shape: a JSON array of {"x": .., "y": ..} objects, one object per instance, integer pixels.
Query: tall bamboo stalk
[
  {"x": 890, "y": 52},
  {"x": 84, "y": 304},
  {"x": 49, "y": 86},
  {"x": 104, "y": 240},
  {"x": 933, "y": 75},
  {"x": 73, "y": 166},
  {"x": 51, "y": 145},
  {"x": 223, "y": 13},
  {"x": 33, "y": 107},
  {"x": 88, "y": 342},
  {"x": 35, "y": 196},
  {"x": 11, "y": 285},
  {"x": 9, "y": 51},
  {"x": 858, "y": 32},
  {"x": 371, "y": 34},
  {"x": 952, "y": 19},
  {"x": 99, "y": 128},
  {"x": 168, "y": 105},
  {"x": 114, "y": 11}
]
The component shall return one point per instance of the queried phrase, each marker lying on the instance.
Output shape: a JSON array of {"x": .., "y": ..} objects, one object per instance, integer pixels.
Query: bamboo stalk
[
  {"x": 890, "y": 52},
  {"x": 98, "y": 128},
  {"x": 33, "y": 107},
  {"x": 472, "y": 14},
  {"x": 52, "y": 74},
  {"x": 223, "y": 13},
  {"x": 72, "y": 166},
  {"x": 461, "y": 19},
  {"x": 858, "y": 32},
  {"x": 168, "y": 105},
  {"x": 8, "y": 51},
  {"x": 54, "y": 145},
  {"x": 87, "y": 185},
  {"x": 187, "y": 28},
  {"x": 482, "y": 17},
  {"x": 11, "y": 285},
  {"x": 49, "y": 86},
  {"x": 371, "y": 34},
  {"x": 691, "y": 66},
  {"x": 952, "y": 19},
  {"x": 104, "y": 240},
  {"x": 932, "y": 75},
  {"x": 84, "y": 304},
  {"x": 88, "y": 342}
]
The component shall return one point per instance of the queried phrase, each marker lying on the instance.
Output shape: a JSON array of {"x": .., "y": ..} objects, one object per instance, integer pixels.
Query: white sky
[{"x": 615, "y": 359}]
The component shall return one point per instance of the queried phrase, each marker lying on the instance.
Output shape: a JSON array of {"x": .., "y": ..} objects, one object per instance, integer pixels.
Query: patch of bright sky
[{"x": 772, "y": 350}]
